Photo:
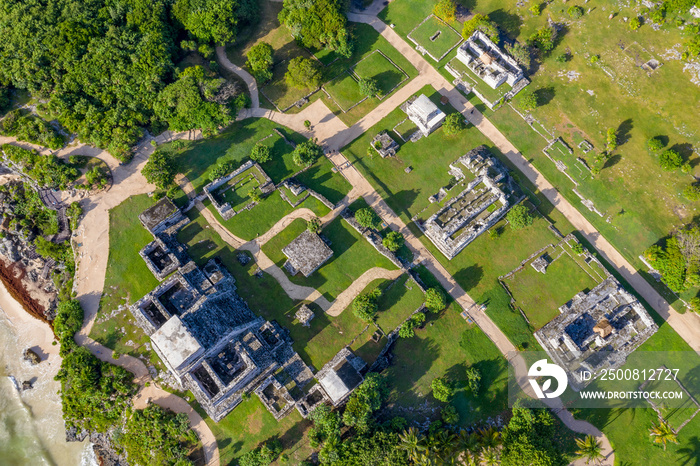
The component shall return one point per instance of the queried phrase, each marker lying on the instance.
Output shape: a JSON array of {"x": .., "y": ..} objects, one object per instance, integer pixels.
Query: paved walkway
[{"x": 243, "y": 74}]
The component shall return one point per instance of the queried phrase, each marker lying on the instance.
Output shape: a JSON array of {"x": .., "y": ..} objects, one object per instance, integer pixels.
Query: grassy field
[
  {"x": 352, "y": 256},
  {"x": 580, "y": 100},
  {"x": 435, "y": 36},
  {"x": 127, "y": 280},
  {"x": 377, "y": 66},
  {"x": 344, "y": 90},
  {"x": 540, "y": 295},
  {"x": 249, "y": 224},
  {"x": 399, "y": 299}
]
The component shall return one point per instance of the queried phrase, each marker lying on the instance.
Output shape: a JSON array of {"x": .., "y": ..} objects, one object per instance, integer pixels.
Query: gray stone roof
[
  {"x": 306, "y": 253},
  {"x": 154, "y": 216}
]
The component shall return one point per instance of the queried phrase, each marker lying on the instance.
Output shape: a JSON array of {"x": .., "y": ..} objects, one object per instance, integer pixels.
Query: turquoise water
[{"x": 31, "y": 426}]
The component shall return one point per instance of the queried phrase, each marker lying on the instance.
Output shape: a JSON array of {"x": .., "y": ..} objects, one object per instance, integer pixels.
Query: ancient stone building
[
  {"x": 216, "y": 190},
  {"x": 488, "y": 195},
  {"x": 384, "y": 144},
  {"x": 488, "y": 61},
  {"x": 164, "y": 254},
  {"x": 596, "y": 330},
  {"x": 306, "y": 254},
  {"x": 425, "y": 114}
]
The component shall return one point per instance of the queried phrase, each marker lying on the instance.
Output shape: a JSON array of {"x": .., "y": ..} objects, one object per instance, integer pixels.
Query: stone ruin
[
  {"x": 484, "y": 201},
  {"x": 306, "y": 253},
  {"x": 540, "y": 264},
  {"x": 164, "y": 255},
  {"x": 596, "y": 330},
  {"x": 495, "y": 67},
  {"x": 215, "y": 194},
  {"x": 304, "y": 315},
  {"x": 424, "y": 114},
  {"x": 385, "y": 145},
  {"x": 216, "y": 347}
]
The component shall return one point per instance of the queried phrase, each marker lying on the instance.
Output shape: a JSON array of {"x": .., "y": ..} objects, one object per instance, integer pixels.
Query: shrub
[
  {"x": 578, "y": 248},
  {"x": 527, "y": 100},
  {"x": 670, "y": 262},
  {"x": 610, "y": 140},
  {"x": 255, "y": 195},
  {"x": 453, "y": 124},
  {"x": 692, "y": 192},
  {"x": 368, "y": 87},
  {"x": 575, "y": 11},
  {"x": 670, "y": 160},
  {"x": 260, "y": 153},
  {"x": 406, "y": 330},
  {"x": 393, "y": 241},
  {"x": 367, "y": 218},
  {"x": 32, "y": 129},
  {"x": 520, "y": 52},
  {"x": 449, "y": 415},
  {"x": 482, "y": 23},
  {"x": 519, "y": 217},
  {"x": 694, "y": 304},
  {"x": 435, "y": 300},
  {"x": 442, "y": 390},
  {"x": 473, "y": 379},
  {"x": 543, "y": 38},
  {"x": 259, "y": 61},
  {"x": 445, "y": 10},
  {"x": 655, "y": 144},
  {"x": 307, "y": 153},
  {"x": 303, "y": 73},
  {"x": 594, "y": 59},
  {"x": 536, "y": 9},
  {"x": 635, "y": 23},
  {"x": 365, "y": 306},
  {"x": 314, "y": 225}
]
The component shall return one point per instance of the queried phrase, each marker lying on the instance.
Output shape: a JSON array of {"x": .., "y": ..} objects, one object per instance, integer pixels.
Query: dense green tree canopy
[
  {"x": 367, "y": 218},
  {"x": 528, "y": 439},
  {"x": 259, "y": 61},
  {"x": 519, "y": 217},
  {"x": 215, "y": 20},
  {"x": 318, "y": 24},
  {"x": 307, "y": 153},
  {"x": 303, "y": 73},
  {"x": 160, "y": 169}
]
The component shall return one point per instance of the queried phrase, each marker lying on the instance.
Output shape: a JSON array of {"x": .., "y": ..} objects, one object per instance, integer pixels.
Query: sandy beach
[{"x": 37, "y": 434}]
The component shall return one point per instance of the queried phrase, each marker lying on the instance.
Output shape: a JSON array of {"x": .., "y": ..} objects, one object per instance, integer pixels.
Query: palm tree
[
  {"x": 411, "y": 442},
  {"x": 491, "y": 456},
  {"x": 663, "y": 433},
  {"x": 589, "y": 449},
  {"x": 490, "y": 437}
]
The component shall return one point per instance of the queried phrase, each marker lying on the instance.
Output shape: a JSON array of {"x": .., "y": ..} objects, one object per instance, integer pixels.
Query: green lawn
[
  {"x": 127, "y": 280},
  {"x": 377, "y": 66},
  {"x": 399, "y": 299},
  {"x": 249, "y": 224},
  {"x": 540, "y": 295},
  {"x": 352, "y": 256},
  {"x": 435, "y": 36},
  {"x": 344, "y": 90}
]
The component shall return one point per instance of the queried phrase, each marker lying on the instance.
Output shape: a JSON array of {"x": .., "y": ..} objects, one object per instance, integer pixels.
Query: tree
[
  {"x": 692, "y": 192},
  {"x": 445, "y": 10},
  {"x": 482, "y": 23},
  {"x": 68, "y": 321},
  {"x": 365, "y": 306},
  {"x": 435, "y": 299},
  {"x": 393, "y": 241},
  {"x": 74, "y": 212},
  {"x": 259, "y": 61},
  {"x": 214, "y": 20},
  {"x": 188, "y": 104},
  {"x": 303, "y": 73},
  {"x": 543, "y": 38},
  {"x": 635, "y": 23},
  {"x": 519, "y": 217},
  {"x": 320, "y": 24},
  {"x": 610, "y": 140},
  {"x": 407, "y": 328},
  {"x": 520, "y": 52},
  {"x": 260, "y": 153},
  {"x": 662, "y": 433},
  {"x": 368, "y": 86},
  {"x": 694, "y": 304},
  {"x": 314, "y": 225},
  {"x": 655, "y": 144},
  {"x": 307, "y": 153},
  {"x": 670, "y": 160},
  {"x": 473, "y": 379},
  {"x": 442, "y": 390},
  {"x": 589, "y": 449},
  {"x": 527, "y": 100},
  {"x": 255, "y": 195},
  {"x": 575, "y": 11},
  {"x": 527, "y": 439},
  {"x": 412, "y": 443},
  {"x": 453, "y": 124},
  {"x": 365, "y": 400},
  {"x": 536, "y": 9},
  {"x": 449, "y": 415},
  {"x": 367, "y": 218},
  {"x": 160, "y": 169}
]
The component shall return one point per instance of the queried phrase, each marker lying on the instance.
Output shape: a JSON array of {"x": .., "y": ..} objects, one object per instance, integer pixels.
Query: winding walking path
[{"x": 243, "y": 74}]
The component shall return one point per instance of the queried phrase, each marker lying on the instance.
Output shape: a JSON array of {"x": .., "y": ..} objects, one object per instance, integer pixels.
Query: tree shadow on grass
[
  {"x": 470, "y": 277},
  {"x": 510, "y": 23},
  {"x": 410, "y": 360},
  {"x": 544, "y": 95},
  {"x": 612, "y": 161},
  {"x": 687, "y": 152},
  {"x": 688, "y": 453},
  {"x": 623, "y": 131}
]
